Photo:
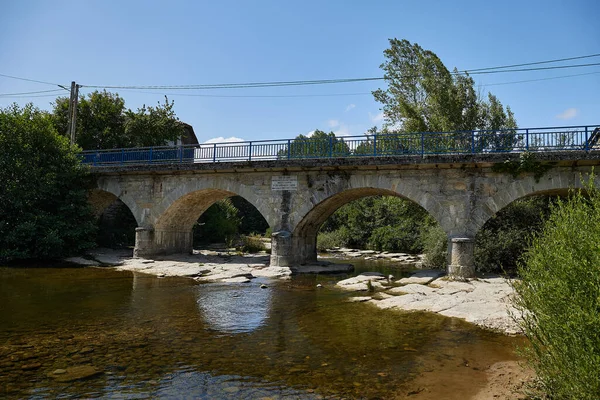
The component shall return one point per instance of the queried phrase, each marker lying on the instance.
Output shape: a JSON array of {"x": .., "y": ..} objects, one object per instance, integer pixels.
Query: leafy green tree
[
  {"x": 559, "y": 299},
  {"x": 103, "y": 122},
  {"x": 44, "y": 211},
  {"x": 424, "y": 96},
  {"x": 320, "y": 144},
  {"x": 377, "y": 222},
  {"x": 153, "y": 126},
  {"x": 503, "y": 240},
  {"x": 219, "y": 223}
]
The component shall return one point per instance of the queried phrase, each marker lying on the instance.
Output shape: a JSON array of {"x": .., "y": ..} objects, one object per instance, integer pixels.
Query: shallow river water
[{"x": 174, "y": 338}]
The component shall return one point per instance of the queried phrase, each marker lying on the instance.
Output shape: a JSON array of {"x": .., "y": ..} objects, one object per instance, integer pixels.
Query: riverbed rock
[
  {"x": 76, "y": 373},
  {"x": 360, "y": 282},
  {"x": 82, "y": 261},
  {"x": 423, "y": 277},
  {"x": 322, "y": 268},
  {"x": 484, "y": 303},
  {"x": 237, "y": 279},
  {"x": 411, "y": 288},
  {"x": 359, "y": 299}
]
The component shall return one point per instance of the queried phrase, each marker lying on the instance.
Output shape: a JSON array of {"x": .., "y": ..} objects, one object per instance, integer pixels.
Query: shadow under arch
[
  {"x": 500, "y": 206},
  {"x": 502, "y": 240},
  {"x": 101, "y": 199},
  {"x": 173, "y": 228},
  {"x": 304, "y": 235}
]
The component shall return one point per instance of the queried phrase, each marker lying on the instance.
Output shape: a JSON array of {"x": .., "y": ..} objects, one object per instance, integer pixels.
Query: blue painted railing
[{"x": 418, "y": 144}]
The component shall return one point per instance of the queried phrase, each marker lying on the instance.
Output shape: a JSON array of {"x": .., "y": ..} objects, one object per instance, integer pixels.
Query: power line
[
  {"x": 252, "y": 96},
  {"x": 29, "y": 80},
  {"x": 238, "y": 85},
  {"x": 540, "y": 79},
  {"x": 336, "y": 94},
  {"x": 26, "y": 93},
  {"x": 535, "y": 63},
  {"x": 532, "y": 69},
  {"x": 248, "y": 85}
]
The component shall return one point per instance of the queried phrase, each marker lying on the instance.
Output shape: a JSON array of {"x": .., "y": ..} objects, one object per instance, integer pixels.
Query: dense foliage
[
  {"x": 559, "y": 297},
  {"x": 504, "y": 238},
  {"x": 319, "y": 144},
  {"x": 103, "y": 122},
  {"x": 378, "y": 223},
  {"x": 225, "y": 220},
  {"x": 43, "y": 199}
]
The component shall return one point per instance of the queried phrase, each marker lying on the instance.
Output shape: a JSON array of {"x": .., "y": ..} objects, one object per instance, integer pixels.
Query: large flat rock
[{"x": 423, "y": 277}]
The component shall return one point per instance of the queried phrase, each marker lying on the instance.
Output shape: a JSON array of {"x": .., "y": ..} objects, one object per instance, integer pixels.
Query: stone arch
[
  {"x": 556, "y": 182},
  {"x": 304, "y": 236},
  {"x": 172, "y": 228},
  {"x": 101, "y": 199},
  {"x": 201, "y": 194}
]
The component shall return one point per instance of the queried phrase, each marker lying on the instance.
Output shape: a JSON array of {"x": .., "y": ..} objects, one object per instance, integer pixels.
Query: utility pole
[{"x": 73, "y": 100}]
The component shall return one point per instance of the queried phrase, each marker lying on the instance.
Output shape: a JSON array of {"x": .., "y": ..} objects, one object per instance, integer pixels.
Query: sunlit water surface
[{"x": 174, "y": 338}]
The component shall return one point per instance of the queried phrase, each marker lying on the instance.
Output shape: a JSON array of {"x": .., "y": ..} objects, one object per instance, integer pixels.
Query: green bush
[
  {"x": 503, "y": 239},
  {"x": 252, "y": 244},
  {"x": 559, "y": 298},
  {"x": 337, "y": 238},
  {"x": 395, "y": 238},
  {"x": 435, "y": 247},
  {"x": 219, "y": 223}
]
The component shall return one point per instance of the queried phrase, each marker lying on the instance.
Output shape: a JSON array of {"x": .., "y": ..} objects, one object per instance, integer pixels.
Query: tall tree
[
  {"x": 43, "y": 198},
  {"x": 424, "y": 96},
  {"x": 103, "y": 122}
]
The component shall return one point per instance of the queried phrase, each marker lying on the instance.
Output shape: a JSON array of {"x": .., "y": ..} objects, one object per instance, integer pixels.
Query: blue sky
[{"x": 132, "y": 42}]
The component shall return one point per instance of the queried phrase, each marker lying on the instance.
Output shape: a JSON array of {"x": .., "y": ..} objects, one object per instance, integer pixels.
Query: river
[{"x": 154, "y": 337}]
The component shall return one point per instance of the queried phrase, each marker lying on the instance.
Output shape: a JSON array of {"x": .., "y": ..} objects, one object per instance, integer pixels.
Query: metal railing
[{"x": 417, "y": 144}]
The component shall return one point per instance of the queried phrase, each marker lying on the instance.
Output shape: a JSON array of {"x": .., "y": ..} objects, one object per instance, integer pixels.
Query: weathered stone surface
[
  {"x": 359, "y": 299},
  {"x": 322, "y": 268},
  {"x": 485, "y": 303},
  {"x": 238, "y": 279},
  {"x": 423, "y": 277},
  {"x": 360, "y": 282},
  {"x": 411, "y": 288},
  {"x": 76, "y": 373}
]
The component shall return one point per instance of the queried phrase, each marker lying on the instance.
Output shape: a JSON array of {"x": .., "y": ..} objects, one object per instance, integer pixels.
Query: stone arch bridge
[{"x": 296, "y": 196}]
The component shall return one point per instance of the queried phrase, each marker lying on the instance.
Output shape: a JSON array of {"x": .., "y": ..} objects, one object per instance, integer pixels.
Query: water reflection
[
  {"x": 173, "y": 338},
  {"x": 235, "y": 308}
]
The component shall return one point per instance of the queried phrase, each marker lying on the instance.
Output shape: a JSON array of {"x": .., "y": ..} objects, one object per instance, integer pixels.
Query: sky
[{"x": 144, "y": 43}]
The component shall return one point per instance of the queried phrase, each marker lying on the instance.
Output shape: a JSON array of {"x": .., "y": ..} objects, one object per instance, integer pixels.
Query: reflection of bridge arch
[{"x": 305, "y": 233}]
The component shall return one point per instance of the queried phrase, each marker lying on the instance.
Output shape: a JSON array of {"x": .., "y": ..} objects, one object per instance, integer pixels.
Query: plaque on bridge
[{"x": 284, "y": 182}]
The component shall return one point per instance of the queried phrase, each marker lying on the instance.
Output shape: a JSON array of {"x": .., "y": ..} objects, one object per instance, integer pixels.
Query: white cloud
[
  {"x": 350, "y": 107},
  {"x": 569, "y": 113},
  {"x": 343, "y": 131},
  {"x": 309, "y": 134},
  {"x": 333, "y": 123},
  {"x": 377, "y": 117},
  {"x": 221, "y": 139}
]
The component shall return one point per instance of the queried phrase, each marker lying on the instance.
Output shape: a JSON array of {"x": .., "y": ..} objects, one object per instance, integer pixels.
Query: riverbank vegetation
[
  {"x": 559, "y": 298},
  {"x": 44, "y": 213}
]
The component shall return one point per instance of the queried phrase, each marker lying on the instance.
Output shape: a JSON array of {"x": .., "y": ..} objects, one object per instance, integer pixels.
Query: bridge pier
[
  {"x": 149, "y": 242},
  {"x": 461, "y": 257},
  {"x": 282, "y": 249}
]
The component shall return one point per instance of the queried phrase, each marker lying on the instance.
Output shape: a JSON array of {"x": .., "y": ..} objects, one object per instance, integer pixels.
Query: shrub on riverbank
[
  {"x": 559, "y": 296},
  {"x": 44, "y": 213},
  {"x": 252, "y": 244}
]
